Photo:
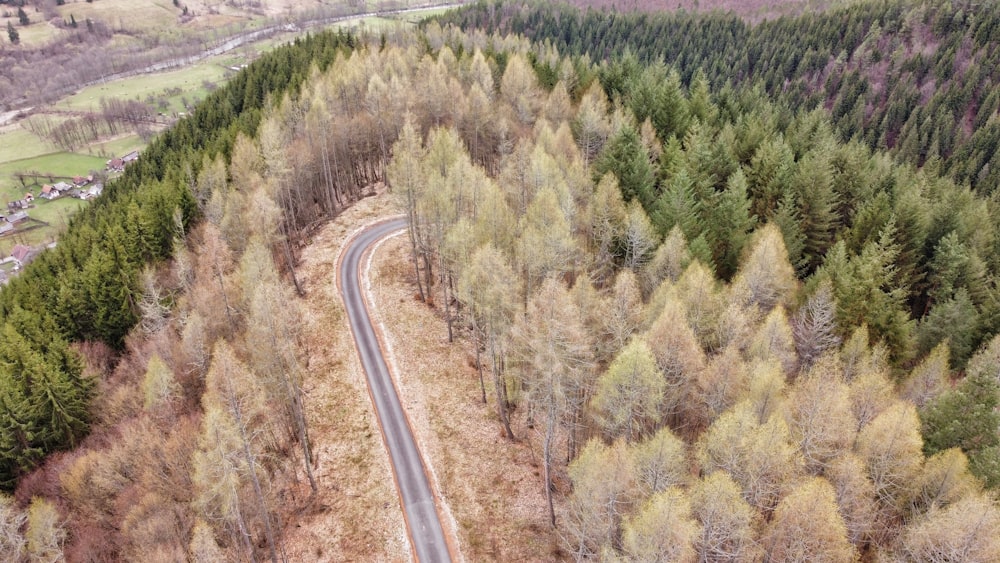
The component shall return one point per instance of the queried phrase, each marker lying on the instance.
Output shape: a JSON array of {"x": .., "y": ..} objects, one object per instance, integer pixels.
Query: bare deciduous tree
[
  {"x": 968, "y": 530},
  {"x": 891, "y": 447},
  {"x": 663, "y": 530},
  {"x": 814, "y": 326},
  {"x": 12, "y": 521},
  {"x": 818, "y": 410},
  {"x": 554, "y": 358},
  {"x": 602, "y": 480},
  {"x": 806, "y": 527},
  {"x": 766, "y": 276},
  {"x": 488, "y": 288},
  {"x": 45, "y": 534},
  {"x": 929, "y": 378},
  {"x": 727, "y": 522},
  {"x": 660, "y": 462},
  {"x": 757, "y": 455},
  {"x": 629, "y": 394}
]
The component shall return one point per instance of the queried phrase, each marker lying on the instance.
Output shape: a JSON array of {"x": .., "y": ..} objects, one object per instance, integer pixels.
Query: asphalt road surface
[{"x": 424, "y": 526}]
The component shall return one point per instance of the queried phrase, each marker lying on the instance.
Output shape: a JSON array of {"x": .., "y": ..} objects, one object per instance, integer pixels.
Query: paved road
[{"x": 424, "y": 526}]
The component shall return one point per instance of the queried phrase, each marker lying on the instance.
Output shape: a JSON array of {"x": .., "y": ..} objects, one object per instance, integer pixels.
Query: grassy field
[
  {"x": 37, "y": 33},
  {"x": 190, "y": 80},
  {"x": 54, "y": 162},
  {"x": 57, "y": 164},
  {"x": 125, "y": 15},
  {"x": 378, "y": 23},
  {"x": 372, "y": 23},
  {"x": 415, "y": 17},
  {"x": 117, "y": 147},
  {"x": 17, "y": 143}
]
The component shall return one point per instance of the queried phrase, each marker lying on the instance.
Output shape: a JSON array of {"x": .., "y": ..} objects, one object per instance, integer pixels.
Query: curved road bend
[{"x": 424, "y": 527}]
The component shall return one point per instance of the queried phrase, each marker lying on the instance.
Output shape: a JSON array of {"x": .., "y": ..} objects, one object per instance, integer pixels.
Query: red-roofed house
[{"x": 20, "y": 254}]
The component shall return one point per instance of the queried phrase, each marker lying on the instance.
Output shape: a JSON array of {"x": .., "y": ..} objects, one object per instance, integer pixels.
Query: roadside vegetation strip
[{"x": 427, "y": 537}]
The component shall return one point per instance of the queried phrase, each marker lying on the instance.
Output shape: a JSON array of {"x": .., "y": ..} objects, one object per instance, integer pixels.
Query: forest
[
  {"x": 657, "y": 292},
  {"x": 734, "y": 332},
  {"x": 102, "y": 333},
  {"x": 914, "y": 78}
]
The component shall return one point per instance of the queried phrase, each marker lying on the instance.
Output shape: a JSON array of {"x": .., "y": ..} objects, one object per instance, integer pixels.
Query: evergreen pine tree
[{"x": 967, "y": 417}]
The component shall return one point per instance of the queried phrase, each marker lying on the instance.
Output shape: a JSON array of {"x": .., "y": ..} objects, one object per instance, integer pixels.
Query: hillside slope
[{"x": 916, "y": 78}]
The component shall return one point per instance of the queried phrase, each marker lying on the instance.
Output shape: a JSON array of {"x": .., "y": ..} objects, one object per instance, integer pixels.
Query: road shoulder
[
  {"x": 490, "y": 490},
  {"x": 356, "y": 516}
]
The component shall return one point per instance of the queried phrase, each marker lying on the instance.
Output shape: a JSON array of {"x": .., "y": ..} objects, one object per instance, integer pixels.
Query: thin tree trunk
[
  {"x": 225, "y": 299},
  {"x": 571, "y": 445},
  {"x": 416, "y": 266},
  {"x": 500, "y": 391},
  {"x": 244, "y": 533},
  {"x": 479, "y": 363},
  {"x": 446, "y": 283},
  {"x": 328, "y": 192},
  {"x": 291, "y": 264},
  {"x": 304, "y": 439},
  {"x": 428, "y": 274},
  {"x": 293, "y": 397},
  {"x": 251, "y": 464},
  {"x": 550, "y": 429}
]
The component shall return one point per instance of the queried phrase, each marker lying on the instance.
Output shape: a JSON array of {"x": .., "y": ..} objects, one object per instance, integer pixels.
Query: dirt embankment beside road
[{"x": 491, "y": 489}]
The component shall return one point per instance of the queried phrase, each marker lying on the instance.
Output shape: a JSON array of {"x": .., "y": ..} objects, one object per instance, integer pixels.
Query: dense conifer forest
[
  {"x": 916, "y": 78},
  {"x": 738, "y": 328}
]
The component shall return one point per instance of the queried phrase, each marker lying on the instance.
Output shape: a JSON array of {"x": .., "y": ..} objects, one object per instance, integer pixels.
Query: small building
[
  {"x": 5, "y": 227},
  {"x": 22, "y": 255},
  {"x": 80, "y": 181},
  {"x": 62, "y": 187},
  {"x": 48, "y": 192},
  {"x": 29, "y": 197},
  {"x": 93, "y": 191},
  {"x": 17, "y": 217},
  {"x": 116, "y": 165},
  {"x": 130, "y": 157}
]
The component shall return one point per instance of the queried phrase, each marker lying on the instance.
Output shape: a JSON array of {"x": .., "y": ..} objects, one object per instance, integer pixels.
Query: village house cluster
[
  {"x": 119, "y": 164},
  {"x": 17, "y": 212},
  {"x": 80, "y": 187}
]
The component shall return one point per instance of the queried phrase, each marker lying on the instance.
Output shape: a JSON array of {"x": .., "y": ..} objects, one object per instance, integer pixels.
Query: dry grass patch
[{"x": 492, "y": 489}]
